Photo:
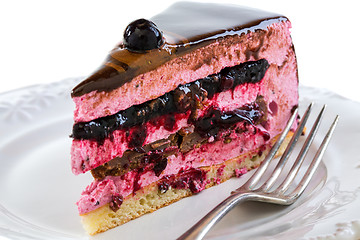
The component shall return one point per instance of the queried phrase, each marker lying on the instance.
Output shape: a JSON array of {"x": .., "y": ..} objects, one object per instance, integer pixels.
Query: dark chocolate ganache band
[
  {"x": 184, "y": 98},
  {"x": 186, "y": 26}
]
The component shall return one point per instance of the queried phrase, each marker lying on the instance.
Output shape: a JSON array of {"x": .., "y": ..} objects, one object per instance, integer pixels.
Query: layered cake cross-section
[{"x": 190, "y": 98}]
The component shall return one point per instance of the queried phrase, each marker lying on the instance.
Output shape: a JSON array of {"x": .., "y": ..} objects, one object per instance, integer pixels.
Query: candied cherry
[{"x": 142, "y": 35}]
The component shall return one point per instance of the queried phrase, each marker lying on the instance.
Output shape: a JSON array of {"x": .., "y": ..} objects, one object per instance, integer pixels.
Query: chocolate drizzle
[{"x": 186, "y": 27}]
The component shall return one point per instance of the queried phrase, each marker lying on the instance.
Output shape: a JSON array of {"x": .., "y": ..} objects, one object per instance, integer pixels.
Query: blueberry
[{"x": 142, "y": 35}]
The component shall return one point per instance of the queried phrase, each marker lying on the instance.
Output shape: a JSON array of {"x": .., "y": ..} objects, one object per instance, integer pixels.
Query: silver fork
[{"x": 272, "y": 190}]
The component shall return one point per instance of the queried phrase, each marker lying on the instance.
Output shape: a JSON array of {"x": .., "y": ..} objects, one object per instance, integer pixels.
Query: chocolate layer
[
  {"x": 182, "y": 99},
  {"x": 186, "y": 27},
  {"x": 152, "y": 157}
]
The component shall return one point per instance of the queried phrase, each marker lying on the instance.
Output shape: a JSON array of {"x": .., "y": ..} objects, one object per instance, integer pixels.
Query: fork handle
[{"x": 199, "y": 230}]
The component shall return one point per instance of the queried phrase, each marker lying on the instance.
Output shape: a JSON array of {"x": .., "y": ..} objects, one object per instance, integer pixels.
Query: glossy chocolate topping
[{"x": 186, "y": 27}]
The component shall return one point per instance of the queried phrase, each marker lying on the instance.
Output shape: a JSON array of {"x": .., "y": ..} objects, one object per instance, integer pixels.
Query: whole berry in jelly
[{"x": 142, "y": 35}]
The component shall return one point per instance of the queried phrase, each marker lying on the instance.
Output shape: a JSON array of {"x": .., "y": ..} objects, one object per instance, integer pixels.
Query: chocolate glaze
[{"x": 186, "y": 27}]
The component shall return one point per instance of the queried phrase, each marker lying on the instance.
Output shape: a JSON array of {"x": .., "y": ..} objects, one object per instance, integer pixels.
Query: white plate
[{"x": 38, "y": 191}]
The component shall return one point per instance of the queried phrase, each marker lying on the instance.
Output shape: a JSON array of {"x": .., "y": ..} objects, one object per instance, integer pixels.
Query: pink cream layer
[
  {"x": 99, "y": 193},
  {"x": 225, "y": 52},
  {"x": 281, "y": 98},
  {"x": 278, "y": 87}
]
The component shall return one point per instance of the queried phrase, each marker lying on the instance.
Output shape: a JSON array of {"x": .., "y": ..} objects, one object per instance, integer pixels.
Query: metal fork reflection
[{"x": 273, "y": 190}]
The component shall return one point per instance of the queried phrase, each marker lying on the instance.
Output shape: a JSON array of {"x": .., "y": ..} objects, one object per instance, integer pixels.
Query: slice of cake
[{"x": 187, "y": 100}]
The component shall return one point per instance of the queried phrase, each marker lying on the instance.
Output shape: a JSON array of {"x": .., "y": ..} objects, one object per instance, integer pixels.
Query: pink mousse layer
[
  {"x": 99, "y": 193},
  {"x": 273, "y": 47},
  {"x": 281, "y": 91},
  {"x": 87, "y": 154},
  {"x": 279, "y": 86}
]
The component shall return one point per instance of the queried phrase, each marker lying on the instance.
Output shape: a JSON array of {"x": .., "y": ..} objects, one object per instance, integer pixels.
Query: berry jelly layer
[{"x": 190, "y": 96}]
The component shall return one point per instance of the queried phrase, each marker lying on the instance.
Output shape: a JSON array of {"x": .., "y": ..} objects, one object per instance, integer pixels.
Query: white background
[{"x": 47, "y": 41}]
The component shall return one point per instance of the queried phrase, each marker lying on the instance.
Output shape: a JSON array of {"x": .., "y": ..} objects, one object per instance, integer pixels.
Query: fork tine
[
  {"x": 315, "y": 162},
  {"x": 263, "y": 166},
  {"x": 300, "y": 158},
  {"x": 290, "y": 147}
]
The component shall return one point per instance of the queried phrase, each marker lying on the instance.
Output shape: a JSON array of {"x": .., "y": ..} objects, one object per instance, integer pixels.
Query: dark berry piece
[
  {"x": 169, "y": 122},
  {"x": 255, "y": 70},
  {"x": 160, "y": 166},
  {"x": 163, "y": 187},
  {"x": 142, "y": 35},
  {"x": 273, "y": 107},
  {"x": 227, "y": 82},
  {"x": 195, "y": 187},
  {"x": 116, "y": 202},
  {"x": 137, "y": 136},
  {"x": 266, "y": 136}
]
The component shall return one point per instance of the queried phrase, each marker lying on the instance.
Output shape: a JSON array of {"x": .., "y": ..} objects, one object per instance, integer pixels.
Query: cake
[{"x": 188, "y": 99}]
